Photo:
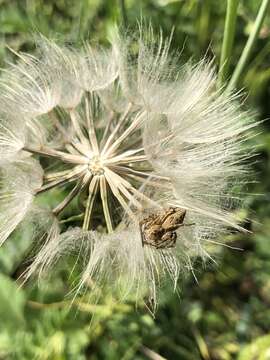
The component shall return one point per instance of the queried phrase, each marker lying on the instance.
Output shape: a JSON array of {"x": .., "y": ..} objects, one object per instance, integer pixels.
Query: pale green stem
[
  {"x": 72, "y": 218},
  {"x": 260, "y": 56},
  {"x": 249, "y": 46},
  {"x": 228, "y": 38}
]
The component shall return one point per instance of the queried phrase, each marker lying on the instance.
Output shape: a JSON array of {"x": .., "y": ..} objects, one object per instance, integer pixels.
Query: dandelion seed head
[{"x": 145, "y": 138}]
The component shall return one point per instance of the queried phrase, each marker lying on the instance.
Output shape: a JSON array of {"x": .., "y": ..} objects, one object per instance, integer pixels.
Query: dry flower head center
[
  {"x": 108, "y": 159},
  {"x": 95, "y": 166}
]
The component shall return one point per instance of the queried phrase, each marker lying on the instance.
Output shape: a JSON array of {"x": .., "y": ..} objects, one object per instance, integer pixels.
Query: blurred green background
[{"x": 227, "y": 315}]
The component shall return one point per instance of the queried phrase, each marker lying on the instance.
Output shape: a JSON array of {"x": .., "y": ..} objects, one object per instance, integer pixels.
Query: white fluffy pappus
[
  {"x": 159, "y": 145},
  {"x": 19, "y": 181}
]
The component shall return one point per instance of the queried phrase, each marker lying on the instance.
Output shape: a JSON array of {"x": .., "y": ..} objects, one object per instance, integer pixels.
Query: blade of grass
[
  {"x": 123, "y": 12},
  {"x": 249, "y": 46},
  {"x": 228, "y": 39}
]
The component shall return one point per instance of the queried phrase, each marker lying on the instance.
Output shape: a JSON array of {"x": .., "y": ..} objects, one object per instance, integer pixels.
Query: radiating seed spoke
[
  {"x": 126, "y": 169},
  {"x": 127, "y": 160},
  {"x": 77, "y": 127},
  {"x": 52, "y": 115},
  {"x": 91, "y": 128},
  {"x": 81, "y": 148},
  {"x": 119, "y": 197},
  {"x": 124, "y": 155},
  {"x": 65, "y": 173},
  {"x": 55, "y": 183},
  {"x": 56, "y": 175},
  {"x": 133, "y": 126},
  {"x": 128, "y": 186},
  {"x": 124, "y": 189},
  {"x": 149, "y": 182},
  {"x": 143, "y": 177},
  {"x": 78, "y": 187},
  {"x": 71, "y": 149},
  {"x": 116, "y": 129},
  {"x": 104, "y": 198},
  {"x": 61, "y": 178},
  {"x": 223, "y": 244},
  {"x": 132, "y": 145},
  {"x": 107, "y": 129},
  {"x": 93, "y": 188},
  {"x": 65, "y": 157}
]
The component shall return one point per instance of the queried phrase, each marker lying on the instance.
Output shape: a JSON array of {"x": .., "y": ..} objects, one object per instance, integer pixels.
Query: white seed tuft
[
  {"x": 17, "y": 189},
  {"x": 158, "y": 145}
]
